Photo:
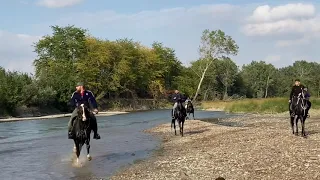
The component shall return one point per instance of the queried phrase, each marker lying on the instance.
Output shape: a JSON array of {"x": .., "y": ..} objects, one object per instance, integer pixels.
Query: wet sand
[{"x": 246, "y": 147}]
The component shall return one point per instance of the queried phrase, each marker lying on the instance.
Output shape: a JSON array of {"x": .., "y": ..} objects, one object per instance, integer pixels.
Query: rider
[
  {"x": 295, "y": 91},
  {"x": 186, "y": 102},
  {"x": 176, "y": 98},
  {"x": 83, "y": 96}
]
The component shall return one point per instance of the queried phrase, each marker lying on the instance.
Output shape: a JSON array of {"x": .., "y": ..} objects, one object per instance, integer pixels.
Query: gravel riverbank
[{"x": 252, "y": 147}]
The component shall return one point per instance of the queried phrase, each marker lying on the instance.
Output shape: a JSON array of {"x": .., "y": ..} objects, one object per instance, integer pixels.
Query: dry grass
[
  {"x": 263, "y": 148},
  {"x": 269, "y": 105}
]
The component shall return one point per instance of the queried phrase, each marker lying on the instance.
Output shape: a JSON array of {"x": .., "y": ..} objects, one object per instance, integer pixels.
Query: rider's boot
[
  {"x": 95, "y": 128},
  {"x": 96, "y": 136},
  {"x": 70, "y": 136}
]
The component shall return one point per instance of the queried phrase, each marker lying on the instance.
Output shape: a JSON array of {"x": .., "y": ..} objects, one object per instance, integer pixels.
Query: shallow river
[{"x": 40, "y": 149}]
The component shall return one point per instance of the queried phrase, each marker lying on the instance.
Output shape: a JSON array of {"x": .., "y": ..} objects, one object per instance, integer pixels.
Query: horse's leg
[
  {"x": 74, "y": 148},
  {"x": 77, "y": 150},
  {"x": 88, "y": 149},
  {"x": 303, "y": 118},
  {"x": 193, "y": 114},
  {"x": 173, "y": 122},
  {"x": 292, "y": 124},
  {"x": 296, "y": 122},
  {"x": 180, "y": 128},
  {"x": 182, "y": 123}
]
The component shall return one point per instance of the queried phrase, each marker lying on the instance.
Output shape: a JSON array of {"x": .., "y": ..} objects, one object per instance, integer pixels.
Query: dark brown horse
[
  {"x": 189, "y": 109},
  {"x": 81, "y": 131},
  {"x": 179, "y": 116},
  {"x": 298, "y": 110}
]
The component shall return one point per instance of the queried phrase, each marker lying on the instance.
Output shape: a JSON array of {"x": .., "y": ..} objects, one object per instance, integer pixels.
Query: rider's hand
[
  {"x": 289, "y": 101},
  {"x": 95, "y": 111}
]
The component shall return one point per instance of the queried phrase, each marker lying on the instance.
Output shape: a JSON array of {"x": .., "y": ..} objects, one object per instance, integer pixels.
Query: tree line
[{"x": 125, "y": 68}]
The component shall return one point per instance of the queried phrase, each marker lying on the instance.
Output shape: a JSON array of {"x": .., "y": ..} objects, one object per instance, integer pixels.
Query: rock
[{"x": 220, "y": 178}]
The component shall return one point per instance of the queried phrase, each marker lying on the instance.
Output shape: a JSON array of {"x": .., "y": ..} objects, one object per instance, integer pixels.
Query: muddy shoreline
[{"x": 249, "y": 147}]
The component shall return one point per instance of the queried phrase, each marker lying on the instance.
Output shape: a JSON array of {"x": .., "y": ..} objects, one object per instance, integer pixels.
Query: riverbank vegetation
[
  {"x": 262, "y": 105},
  {"x": 127, "y": 74}
]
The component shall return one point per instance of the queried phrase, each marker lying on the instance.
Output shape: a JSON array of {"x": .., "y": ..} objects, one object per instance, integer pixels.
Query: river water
[{"x": 40, "y": 149}]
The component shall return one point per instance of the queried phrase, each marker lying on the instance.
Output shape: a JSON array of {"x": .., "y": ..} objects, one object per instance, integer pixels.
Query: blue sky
[{"x": 278, "y": 32}]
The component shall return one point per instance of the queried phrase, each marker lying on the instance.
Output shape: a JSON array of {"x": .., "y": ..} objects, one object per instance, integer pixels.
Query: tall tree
[
  {"x": 57, "y": 54},
  {"x": 214, "y": 45},
  {"x": 259, "y": 76},
  {"x": 227, "y": 71}
]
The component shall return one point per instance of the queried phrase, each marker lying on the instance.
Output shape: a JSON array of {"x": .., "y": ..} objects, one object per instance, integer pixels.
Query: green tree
[
  {"x": 57, "y": 57},
  {"x": 214, "y": 45},
  {"x": 227, "y": 72},
  {"x": 259, "y": 77}
]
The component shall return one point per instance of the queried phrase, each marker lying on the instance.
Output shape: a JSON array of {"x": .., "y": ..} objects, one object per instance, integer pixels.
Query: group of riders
[
  {"x": 83, "y": 96},
  {"x": 86, "y": 97}
]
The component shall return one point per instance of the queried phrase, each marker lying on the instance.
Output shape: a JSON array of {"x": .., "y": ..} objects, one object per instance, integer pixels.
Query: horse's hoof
[{"x": 89, "y": 157}]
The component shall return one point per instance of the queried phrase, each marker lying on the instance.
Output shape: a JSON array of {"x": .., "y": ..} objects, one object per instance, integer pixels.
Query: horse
[
  {"x": 81, "y": 131},
  {"x": 298, "y": 110},
  {"x": 180, "y": 116},
  {"x": 189, "y": 109}
]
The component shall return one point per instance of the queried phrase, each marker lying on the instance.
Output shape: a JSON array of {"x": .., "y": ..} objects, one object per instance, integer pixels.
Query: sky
[{"x": 278, "y": 32}]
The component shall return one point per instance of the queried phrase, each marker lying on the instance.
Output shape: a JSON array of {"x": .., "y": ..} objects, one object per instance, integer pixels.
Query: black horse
[
  {"x": 81, "y": 131},
  {"x": 298, "y": 110},
  {"x": 180, "y": 115},
  {"x": 190, "y": 109}
]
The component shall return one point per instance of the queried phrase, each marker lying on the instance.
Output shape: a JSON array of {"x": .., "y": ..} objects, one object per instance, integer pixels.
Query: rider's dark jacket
[
  {"x": 296, "y": 90},
  {"x": 87, "y": 97},
  {"x": 178, "y": 97}
]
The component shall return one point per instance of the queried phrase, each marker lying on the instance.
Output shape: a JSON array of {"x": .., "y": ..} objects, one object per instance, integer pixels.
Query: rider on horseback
[
  {"x": 296, "y": 90},
  {"x": 176, "y": 98},
  {"x": 186, "y": 102},
  {"x": 83, "y": 96}
]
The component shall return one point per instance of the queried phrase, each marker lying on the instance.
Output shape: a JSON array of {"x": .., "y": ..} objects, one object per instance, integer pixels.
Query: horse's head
[{"x": 83, "y": 112}]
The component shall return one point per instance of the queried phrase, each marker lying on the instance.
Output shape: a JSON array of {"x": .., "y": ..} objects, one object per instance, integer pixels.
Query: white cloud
[
  {"x": 291, "y": 18},
  {"x": 58, "y": 3},
  {"x": 16, "y": 51},
  {"x": 266, "y": 13}
]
